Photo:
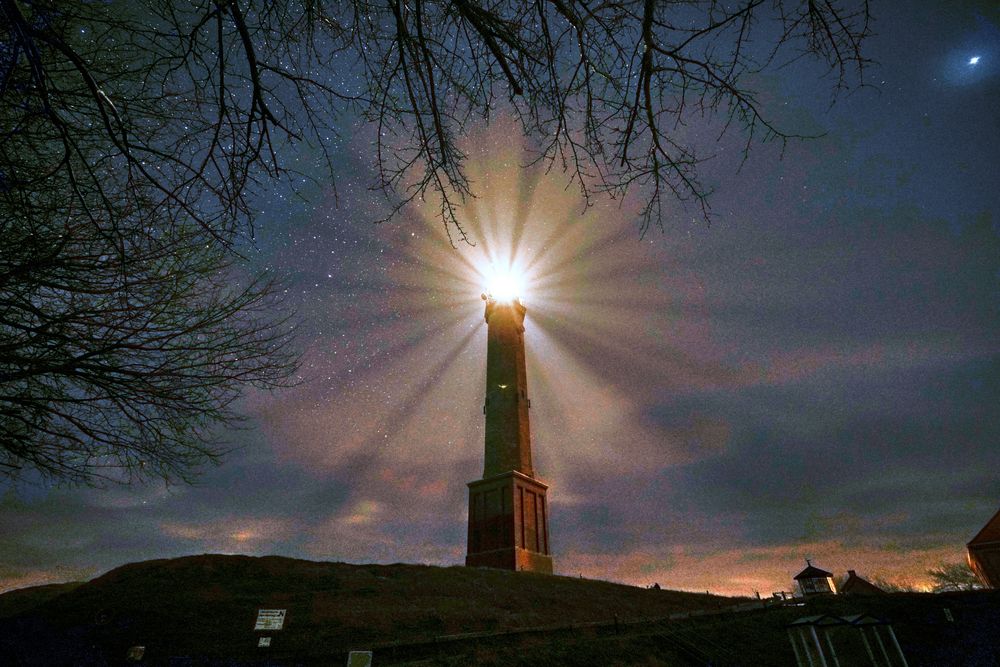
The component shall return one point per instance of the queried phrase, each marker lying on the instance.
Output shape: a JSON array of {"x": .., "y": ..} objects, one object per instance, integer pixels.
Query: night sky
[{"x": 816, "y": 373}]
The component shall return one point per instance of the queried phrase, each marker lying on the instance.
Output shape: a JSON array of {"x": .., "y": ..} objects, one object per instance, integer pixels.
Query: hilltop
[
  {"x": 200, "y": 610},
  {"x": 205, "y": 606}
]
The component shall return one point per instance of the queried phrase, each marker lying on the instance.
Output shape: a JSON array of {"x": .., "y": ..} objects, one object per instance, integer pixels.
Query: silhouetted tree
[
  {"x": 615, "y": 93},
  {"x": 953, "y": 577},
  {"x": 136, "y": 133},
  {"x": 895, "y": 584},
  {"x": 193, "y": 102},
  {"x": 122, "y": 351},
  {"x": 128, "y": 327}
]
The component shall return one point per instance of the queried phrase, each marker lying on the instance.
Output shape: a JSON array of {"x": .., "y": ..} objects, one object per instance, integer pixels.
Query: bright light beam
[{"x": 503, "y": 284}]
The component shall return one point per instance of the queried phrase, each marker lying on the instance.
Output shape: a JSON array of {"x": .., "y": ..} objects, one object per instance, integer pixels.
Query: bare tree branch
[{"x": 135, "y": 136}]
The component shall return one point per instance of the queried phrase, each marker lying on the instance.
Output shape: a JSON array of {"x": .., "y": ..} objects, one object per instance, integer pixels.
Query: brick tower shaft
[
  {"x": 508, "y": 432},
  {"x": 508, "y": 512}
]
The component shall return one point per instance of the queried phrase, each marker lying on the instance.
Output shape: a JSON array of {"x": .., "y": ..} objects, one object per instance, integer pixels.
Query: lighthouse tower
[{"x": 508, "y": 513}]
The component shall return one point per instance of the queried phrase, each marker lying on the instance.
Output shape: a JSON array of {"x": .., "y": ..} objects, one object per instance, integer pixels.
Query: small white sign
[
  {"x": 359, "y": 659},
  {"x": 263, "y": 642},
  {"x": 270, "y": 619}
]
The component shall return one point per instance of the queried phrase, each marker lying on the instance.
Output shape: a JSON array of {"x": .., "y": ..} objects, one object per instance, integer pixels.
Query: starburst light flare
[{"x": 504, "y": 284}]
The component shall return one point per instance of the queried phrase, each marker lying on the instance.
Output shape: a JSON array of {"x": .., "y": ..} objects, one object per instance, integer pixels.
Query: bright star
[{"x": 973, "y": 60}]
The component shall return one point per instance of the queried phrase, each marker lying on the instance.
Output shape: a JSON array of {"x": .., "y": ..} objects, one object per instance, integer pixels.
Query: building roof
[
  {"x": 821, "y": 620},
  {"x": 989, "y": 533},
  {"x": 855, "y": 585},
  {"x": 812, "y": 572},
  {"x": 830, "y": 619},
  {"x": 865, "y": 619}
]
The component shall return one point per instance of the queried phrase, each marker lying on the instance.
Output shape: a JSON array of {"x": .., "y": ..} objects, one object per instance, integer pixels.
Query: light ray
[{"x": 594, "y": 365}]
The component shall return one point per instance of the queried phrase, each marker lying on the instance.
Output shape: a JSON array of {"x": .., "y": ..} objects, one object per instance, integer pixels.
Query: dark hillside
[
  {"x": 205, "y": 607},
  {"x": 201, "y": 610},
  {"x": 19, "y": 601}
]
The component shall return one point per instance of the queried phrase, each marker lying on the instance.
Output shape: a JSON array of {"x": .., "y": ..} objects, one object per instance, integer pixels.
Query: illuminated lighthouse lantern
[{"x": 508, "y": 513}]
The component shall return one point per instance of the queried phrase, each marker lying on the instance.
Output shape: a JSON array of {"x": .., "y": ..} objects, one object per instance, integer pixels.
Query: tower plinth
[{"x": 508, "y": 512}]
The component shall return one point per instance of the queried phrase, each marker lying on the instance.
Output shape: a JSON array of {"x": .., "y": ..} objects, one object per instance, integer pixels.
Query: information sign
[
  {"x": 263, "y": 642},
  {"x": 359, "y": 659},
  {"x": 270, "y": 619}
]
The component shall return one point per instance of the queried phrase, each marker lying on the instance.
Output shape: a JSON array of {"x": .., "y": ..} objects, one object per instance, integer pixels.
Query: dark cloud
[{"x": 916, "y": 444}]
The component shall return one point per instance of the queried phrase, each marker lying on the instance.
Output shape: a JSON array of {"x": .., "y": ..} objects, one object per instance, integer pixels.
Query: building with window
[{"x": 814, "y": 581}]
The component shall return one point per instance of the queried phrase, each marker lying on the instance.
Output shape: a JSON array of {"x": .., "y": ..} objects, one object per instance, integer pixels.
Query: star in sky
[{"x": 974, "y": 60}]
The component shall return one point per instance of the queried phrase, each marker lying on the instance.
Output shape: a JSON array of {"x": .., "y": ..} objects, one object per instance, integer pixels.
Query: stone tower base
[{"x": 509, "y": 524}]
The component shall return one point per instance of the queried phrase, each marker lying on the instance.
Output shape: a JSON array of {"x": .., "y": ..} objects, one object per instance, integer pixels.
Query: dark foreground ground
[{"x": 201, "y": 611}]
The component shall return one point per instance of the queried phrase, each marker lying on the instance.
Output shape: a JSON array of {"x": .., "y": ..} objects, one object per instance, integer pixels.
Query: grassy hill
[
  {"x": 19, "y": 601},
  {"x": 200, "y": 610},
  {"x": 205, "y": 607}
]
